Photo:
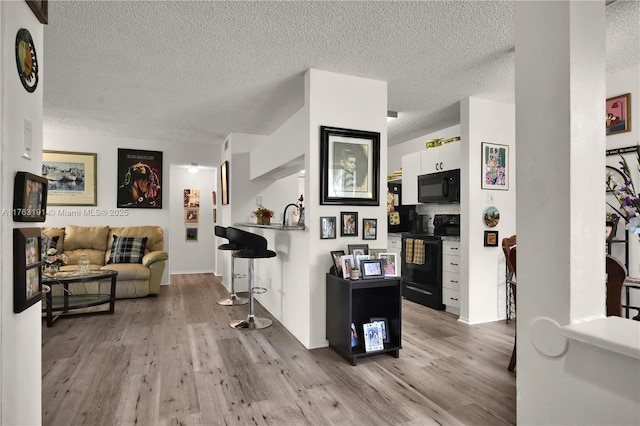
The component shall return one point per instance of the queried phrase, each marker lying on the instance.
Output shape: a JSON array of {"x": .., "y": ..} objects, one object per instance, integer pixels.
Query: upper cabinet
[{"x": 441, "y": 158}]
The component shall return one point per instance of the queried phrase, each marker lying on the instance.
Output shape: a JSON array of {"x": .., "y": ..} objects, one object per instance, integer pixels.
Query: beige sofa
[{"x": 134, "y": 279}]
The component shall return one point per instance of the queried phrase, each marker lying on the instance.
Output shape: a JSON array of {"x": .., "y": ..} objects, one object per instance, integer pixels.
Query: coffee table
[{"x": 69, "y": 301}]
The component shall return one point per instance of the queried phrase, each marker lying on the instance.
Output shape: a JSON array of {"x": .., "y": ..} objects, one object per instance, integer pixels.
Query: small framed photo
[
  {"x": 372, "y": 337},
  {"x": 215, "y": 215},
  {"x": 336, "y": 260},
  {"x": 348, "y": 264},
  {"x": 384, "y": 325},
  {"x": 370, "y": 269},
  {"x": 29, "y": 198},
  {"x": 619, "y": 114},
  {"x": 349, "y": 222},
  {"x": 374, "y": 253},
  {"x": 358, "y": 249},
  {"x": 191, "y": 234},
  {"x": 495, "y": 166},
  {"x": 369, "y": 229},
  {"x": 389, "y": 264},
  {"x": 491, "y": 238},
  {"x": 27, "y": 273},
  {"x": 191, "y": 216},
  {"x": 327, "y": 227},
  {"x": 359, "y": 258}
]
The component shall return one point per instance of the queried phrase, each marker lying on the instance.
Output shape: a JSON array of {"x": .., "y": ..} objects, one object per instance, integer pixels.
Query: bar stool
[
  {"x": 233, "y": 298},
  {"x": 255, "y": 248}
]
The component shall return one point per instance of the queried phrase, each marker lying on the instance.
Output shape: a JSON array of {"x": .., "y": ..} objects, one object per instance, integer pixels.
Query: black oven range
[{"x": 422, "y": 262}]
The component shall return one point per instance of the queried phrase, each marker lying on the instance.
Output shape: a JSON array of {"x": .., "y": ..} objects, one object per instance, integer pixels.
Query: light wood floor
[{"x": 174, "y": 360}]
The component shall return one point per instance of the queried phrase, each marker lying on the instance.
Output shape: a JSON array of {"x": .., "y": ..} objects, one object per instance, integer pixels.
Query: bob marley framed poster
[{"x": 139, "y": 179}]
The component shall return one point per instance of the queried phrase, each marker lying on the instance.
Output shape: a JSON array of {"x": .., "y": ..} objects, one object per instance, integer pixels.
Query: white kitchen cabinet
[
  {"x": 410, "y": 171},
  {"x": 451, "y": 275},
  {"x": 441, "y": 158},
  {"x": 394, "y": 245}
]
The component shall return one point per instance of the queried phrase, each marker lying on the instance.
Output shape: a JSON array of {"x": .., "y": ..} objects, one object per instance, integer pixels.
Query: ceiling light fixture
[
  {"x": 392, "y": 115},
  {"x": 193, "y": 168}
]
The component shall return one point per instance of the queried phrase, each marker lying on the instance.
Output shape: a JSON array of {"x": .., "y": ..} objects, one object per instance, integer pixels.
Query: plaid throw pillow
[{"x": 127, "y": 250}]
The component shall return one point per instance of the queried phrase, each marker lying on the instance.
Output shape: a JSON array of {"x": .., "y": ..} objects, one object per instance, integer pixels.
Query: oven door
[
  {"x": 427, "y": 270},
  {"x": 422, "y": 276}
]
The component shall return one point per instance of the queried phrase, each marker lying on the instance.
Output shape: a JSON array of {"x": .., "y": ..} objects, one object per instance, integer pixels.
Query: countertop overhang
[{"x": 274, "y": 226}]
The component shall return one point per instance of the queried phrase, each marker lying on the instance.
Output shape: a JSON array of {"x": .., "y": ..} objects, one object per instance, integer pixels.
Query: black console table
[{"x": 357, "y": 302}]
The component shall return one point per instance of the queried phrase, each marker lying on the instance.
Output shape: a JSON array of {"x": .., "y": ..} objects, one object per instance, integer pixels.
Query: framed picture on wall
[
  {"x": 349, "y": 166},
  {"x": 327, "y": 227},
  {"x": 73, "y": 178},
  {"x": 349, "y": 224},
  {"x": 491, "y": 238},
  {"x": 369, "y": 229},
  {"x": 495, "y": 166},
  {"x": 29, "y": 198},
  {"x": 27, "y": 273},
  {"x": 618, "y": 114},
  {"x": 139, "y": 179},
  {"x": 40, "y": 8},
  {"x": 191, "y": 216}
]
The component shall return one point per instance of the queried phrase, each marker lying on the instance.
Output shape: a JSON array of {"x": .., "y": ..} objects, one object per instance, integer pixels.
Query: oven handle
[{"x": 410, "y": 287}]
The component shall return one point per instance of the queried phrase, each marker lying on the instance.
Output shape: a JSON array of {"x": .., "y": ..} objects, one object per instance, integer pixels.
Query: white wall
[
  {"x": 20, "y": 342},
  {"x": 188, "y": 257},
  {"x": 482, "y": 291},
  {"x": 106, "y": 147}
]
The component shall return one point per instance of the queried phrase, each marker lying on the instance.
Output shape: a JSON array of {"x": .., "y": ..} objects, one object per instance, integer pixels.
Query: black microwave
[{"x": 441, "y": 187}]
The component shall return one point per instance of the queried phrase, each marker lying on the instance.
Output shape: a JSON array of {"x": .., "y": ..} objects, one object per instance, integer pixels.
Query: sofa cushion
[
  {"x": 129, "y": 271},
  {"x": 127, "y": 249},
  {"x": 86, "y": 237}
]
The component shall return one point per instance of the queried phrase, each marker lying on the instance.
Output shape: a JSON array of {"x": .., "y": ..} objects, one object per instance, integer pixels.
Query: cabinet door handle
[
  {"x": 437, "y": 166},
  {"x": 419, "y": 290},
  {"x": 441, "y": 165},
  {"x": 453, "y": 298},
  {"x": 453, "y": 264},
  {"x": 453, "y": 248},
  {"x": 453, "y": 281}
]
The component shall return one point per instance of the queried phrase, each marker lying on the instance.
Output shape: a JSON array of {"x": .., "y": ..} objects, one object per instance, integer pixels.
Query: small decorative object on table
[
  {"x": 84, "y": 264},
  {"x": 263, "y": 215},
  {"x": 53, "y": 260}
]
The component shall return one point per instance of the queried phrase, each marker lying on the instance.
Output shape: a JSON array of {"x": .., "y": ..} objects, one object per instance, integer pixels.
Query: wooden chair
[
  {"x": 616, "y": 274},
  {"x": 509, "y": 249}
]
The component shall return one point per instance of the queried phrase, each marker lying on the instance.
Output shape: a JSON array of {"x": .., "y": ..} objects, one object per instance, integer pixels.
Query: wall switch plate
[
  {"x": 489, "y": 198},
  {"x": 27, "y": 140},
  {"x": 259, "y": 200}
]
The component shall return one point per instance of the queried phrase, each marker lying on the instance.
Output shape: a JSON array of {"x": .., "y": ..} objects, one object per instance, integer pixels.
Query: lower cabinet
[
  {"x": 357, "y": 302},
  {"x": 451, "y": 276}
]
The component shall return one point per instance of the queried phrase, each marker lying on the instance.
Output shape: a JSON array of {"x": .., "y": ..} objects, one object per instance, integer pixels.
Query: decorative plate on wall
[
  {"x": 491, "y": 216},
  {"x": 26, "y": 60}
]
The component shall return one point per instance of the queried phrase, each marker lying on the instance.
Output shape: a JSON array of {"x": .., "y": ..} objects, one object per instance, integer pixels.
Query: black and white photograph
[
  {"x": 350, "y": 166},
  {"x": 327, "y": 227}
]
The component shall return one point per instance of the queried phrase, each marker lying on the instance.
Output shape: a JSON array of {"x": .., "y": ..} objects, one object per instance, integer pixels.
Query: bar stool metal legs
[
  {"x": 251, "y": 322},
  {"x": 233, "y": 298}
]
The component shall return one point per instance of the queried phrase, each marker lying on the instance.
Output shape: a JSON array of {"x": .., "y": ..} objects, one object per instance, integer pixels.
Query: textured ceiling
[{"x": 189, "y": 71}]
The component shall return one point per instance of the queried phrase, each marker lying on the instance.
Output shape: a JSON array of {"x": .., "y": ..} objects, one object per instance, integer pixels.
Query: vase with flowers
[
  {"x": 53, "y": 260},
  {"x": 263, "y": 215},
  {"x": 626, "y": 195}
]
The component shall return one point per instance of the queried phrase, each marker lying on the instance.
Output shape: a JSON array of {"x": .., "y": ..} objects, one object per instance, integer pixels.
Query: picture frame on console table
[
  {"x": 27, "y": 271},
  {"x": 29, "y": 198},
  {"x": 73, "y": 177},
  {"x": 349, "y": 167}
]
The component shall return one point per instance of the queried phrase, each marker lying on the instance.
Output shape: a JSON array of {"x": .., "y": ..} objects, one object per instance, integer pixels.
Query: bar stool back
[
  {"x": 233, "y": 298},
  {"x": 255, "y": 247}
]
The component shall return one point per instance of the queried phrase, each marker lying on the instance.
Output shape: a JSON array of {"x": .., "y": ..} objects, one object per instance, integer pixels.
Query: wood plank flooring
[{"x": 174, "y": 360}]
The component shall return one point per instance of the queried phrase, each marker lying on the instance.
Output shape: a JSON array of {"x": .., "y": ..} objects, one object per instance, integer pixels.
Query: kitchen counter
[{"x": 274, "y": 226}]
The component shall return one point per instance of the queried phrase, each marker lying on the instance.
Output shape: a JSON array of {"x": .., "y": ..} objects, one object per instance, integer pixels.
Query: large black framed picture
[
  {"x": 349, "y": 167},
  {"x": 27, "y": 273},
  {"x": 139, "y": 179},
  {"x": 29, "y": 198}
]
